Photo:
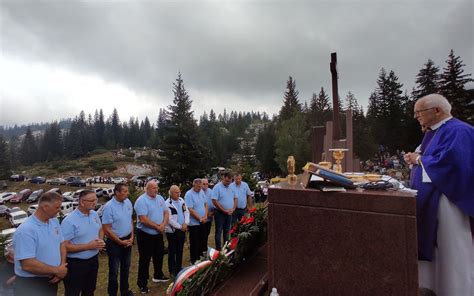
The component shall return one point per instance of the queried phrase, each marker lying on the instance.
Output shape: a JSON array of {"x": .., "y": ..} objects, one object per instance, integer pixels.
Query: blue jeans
[
  {"x": 223, "y": 222},
  {"x": 119, "y": 257}
]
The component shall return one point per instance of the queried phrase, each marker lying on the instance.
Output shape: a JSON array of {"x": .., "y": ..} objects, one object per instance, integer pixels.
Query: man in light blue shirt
[
  {"x": 225, "y": 202},
  {"x": 117, "y": 225},
  {"x": 210, "y": 206},
  {"x": 197, "y": 205},
  {"x": 83, "y": 237},
  {"x": 40, "y": 253},
  {"x": 244, "y": 197},
  {"x": 152, "y": 217}
]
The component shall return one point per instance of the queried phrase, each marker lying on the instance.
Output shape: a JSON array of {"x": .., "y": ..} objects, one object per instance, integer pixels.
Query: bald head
[
  {"x": 151, "y": 188},
  {"x": 431, "y": 109},
  {"x": 436, "y": 101}
]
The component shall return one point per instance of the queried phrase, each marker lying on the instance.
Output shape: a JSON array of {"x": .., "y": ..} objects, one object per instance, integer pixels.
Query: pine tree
[
  {"x": 5, "y": 167},
  {"x": 427, "y": 80},
  {"x": 320, "y": 108},
  {"x": 291, "y": 104},
  {"x": 265, "y": 150},
  {"x": 181, "y": 157},
  {"x": 99, "y": 127},
  {"x": 52, "y": 145},
  {"x": 452, "y": 86},
  {"x": 292, "y": 138},
  {"x": 29, "y": 149}
]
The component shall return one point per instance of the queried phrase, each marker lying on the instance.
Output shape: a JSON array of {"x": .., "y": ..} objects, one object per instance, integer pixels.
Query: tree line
[{"x": 247, "y": 141}]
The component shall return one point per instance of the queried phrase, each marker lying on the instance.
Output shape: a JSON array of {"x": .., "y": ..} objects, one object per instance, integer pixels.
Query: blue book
[{"x": 335, "y": 178}]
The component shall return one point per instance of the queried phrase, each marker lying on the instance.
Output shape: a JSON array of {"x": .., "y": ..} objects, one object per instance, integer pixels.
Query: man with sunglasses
[
  {"x": 83, "y": 237},
  {"x": 443, "y": 174}
]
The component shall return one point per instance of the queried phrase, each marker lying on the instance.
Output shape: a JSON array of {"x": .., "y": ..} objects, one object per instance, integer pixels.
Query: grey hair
[
  {"x": 437, "y": 100},
  {"x": 197, "y": 181},
  {"x": 50, "y": 197}
]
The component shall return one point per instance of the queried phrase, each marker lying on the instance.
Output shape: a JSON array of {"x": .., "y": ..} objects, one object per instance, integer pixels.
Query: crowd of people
[{"x": 46, "y": 252}]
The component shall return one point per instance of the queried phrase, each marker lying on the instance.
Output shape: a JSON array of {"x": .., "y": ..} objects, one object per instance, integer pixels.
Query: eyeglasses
[{"x": 422, "y": 110}]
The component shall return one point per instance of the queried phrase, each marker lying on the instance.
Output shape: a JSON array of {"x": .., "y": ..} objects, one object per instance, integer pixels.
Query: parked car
[
  {"x": 72, "y": 178},
  {"x": 100, "y": 192},
  {"x": 55, "y": 190},
  {"x": 100, "y": 210},
  {"x": 261, "y": 191},
  {"x": 37, "y": 180},
  {"x": 66, "y": 207},
  {"x": 75, "y": 204},
  {"x": 7, "y": 234},
  {"x": 17, "y": 178},
  {"x": 68, "y": 196},
  {"x": 3, "y": 210},
  {"x": 117, "y": 180},
  {"x": 21, "y": 196},
  {"x": 75, "y": 197},
  {"x": 12, "y": 210},
  {"x": 35, "y": 196},
  {"x": 77, "y": 182},
  {"x": 6, "y": 196},
  {"x": 32, "y": 209},
  {"x": 57, "y": 181},
  {"x": 108, "y": 193},
  {"x": 18, "y": 217},
  {"x": 138, "y": 180}
]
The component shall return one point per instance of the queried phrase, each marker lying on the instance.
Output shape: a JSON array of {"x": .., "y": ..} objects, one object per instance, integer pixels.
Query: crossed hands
[{"x": 59, "y": 274}]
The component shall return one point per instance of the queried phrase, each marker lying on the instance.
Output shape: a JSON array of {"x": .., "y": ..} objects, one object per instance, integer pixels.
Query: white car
[
  {"x": 66, "y": 207},
  {"x": 68, "y": 196},
  {"x": 6, "y": 196},
  {"x": 16, "y": 218},
  {"x": 32, "y": 209}
]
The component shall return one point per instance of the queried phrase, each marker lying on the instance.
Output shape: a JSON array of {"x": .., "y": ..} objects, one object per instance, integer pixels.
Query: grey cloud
[{"x": 243, "y": 49}]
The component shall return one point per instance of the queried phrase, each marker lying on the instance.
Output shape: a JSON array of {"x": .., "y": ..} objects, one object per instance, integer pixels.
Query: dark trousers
[
  {"x": 38, "y": 286},
  {"x": 208, "y": 227},
  {"x": 149, "y": 247},
  {"x": 81, "y": 276},
  {"x": 237, "y": 215},
  {"x": 197, "y": 241},
  {"x": 175, "y": 251},
  {"x": 119, "y": 259},
  {"x": 223, "y": 222}
]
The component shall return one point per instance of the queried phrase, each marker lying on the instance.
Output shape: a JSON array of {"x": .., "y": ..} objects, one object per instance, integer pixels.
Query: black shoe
[
  {"x": 144, "y": 290},
  {"x": 162, "y": 279}
]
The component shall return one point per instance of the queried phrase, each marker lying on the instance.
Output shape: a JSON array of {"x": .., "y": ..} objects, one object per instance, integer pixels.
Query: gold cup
[{"x": 338, "y": 155}]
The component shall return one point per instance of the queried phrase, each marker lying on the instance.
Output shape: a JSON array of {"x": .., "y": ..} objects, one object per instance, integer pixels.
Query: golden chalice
[
  {"x": 338, "y": 155},
  {"x": 292, "y": 180}
]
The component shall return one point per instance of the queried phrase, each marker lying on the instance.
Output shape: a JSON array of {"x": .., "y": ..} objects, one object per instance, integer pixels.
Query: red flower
[
  {"x": 233, "y": 243},
  {"x": 242, "y": 221},
  {"x": 232, "y": 231},
  {"x": 252, "y": 210},
  {"x": 249, "y": 220}
]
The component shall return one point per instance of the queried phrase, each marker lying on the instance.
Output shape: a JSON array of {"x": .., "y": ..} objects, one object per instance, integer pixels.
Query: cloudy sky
[{"x": 60, "y": 57}]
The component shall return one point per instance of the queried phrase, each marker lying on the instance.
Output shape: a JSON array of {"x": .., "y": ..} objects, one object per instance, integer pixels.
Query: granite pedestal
[{"x": 341, "y": 243}]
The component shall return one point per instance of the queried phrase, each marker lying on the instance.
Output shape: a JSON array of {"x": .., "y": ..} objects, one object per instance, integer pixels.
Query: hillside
[{"x": 123, "y": 163}]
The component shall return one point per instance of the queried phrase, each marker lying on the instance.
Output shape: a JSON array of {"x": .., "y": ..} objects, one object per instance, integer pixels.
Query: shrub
[{"x": 101, "y": 164}]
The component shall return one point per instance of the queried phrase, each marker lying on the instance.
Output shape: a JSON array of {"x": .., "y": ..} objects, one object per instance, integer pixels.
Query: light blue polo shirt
[
  {"x": 224, "y": 195},
  {"x": 153, "y": 208},
  {"x": 119, "y": 216},
  {"x": 79, "y": 228},
  {"x": 242, "y": 191},
  {"x": 197, "y": 202},
  {"x": 210, "y": 205},
  {"x": 35, "y": 239}
]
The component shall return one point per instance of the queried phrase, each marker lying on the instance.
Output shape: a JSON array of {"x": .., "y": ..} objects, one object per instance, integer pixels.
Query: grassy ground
[{"x": 156, "y": 288}]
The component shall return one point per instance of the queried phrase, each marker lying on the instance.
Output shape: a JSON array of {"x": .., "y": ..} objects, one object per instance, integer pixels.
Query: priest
[{"x": 443, "y": 175}]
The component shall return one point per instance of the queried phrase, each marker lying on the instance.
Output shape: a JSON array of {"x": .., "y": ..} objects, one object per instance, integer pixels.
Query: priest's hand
[{"x": 411, "y": 157}]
